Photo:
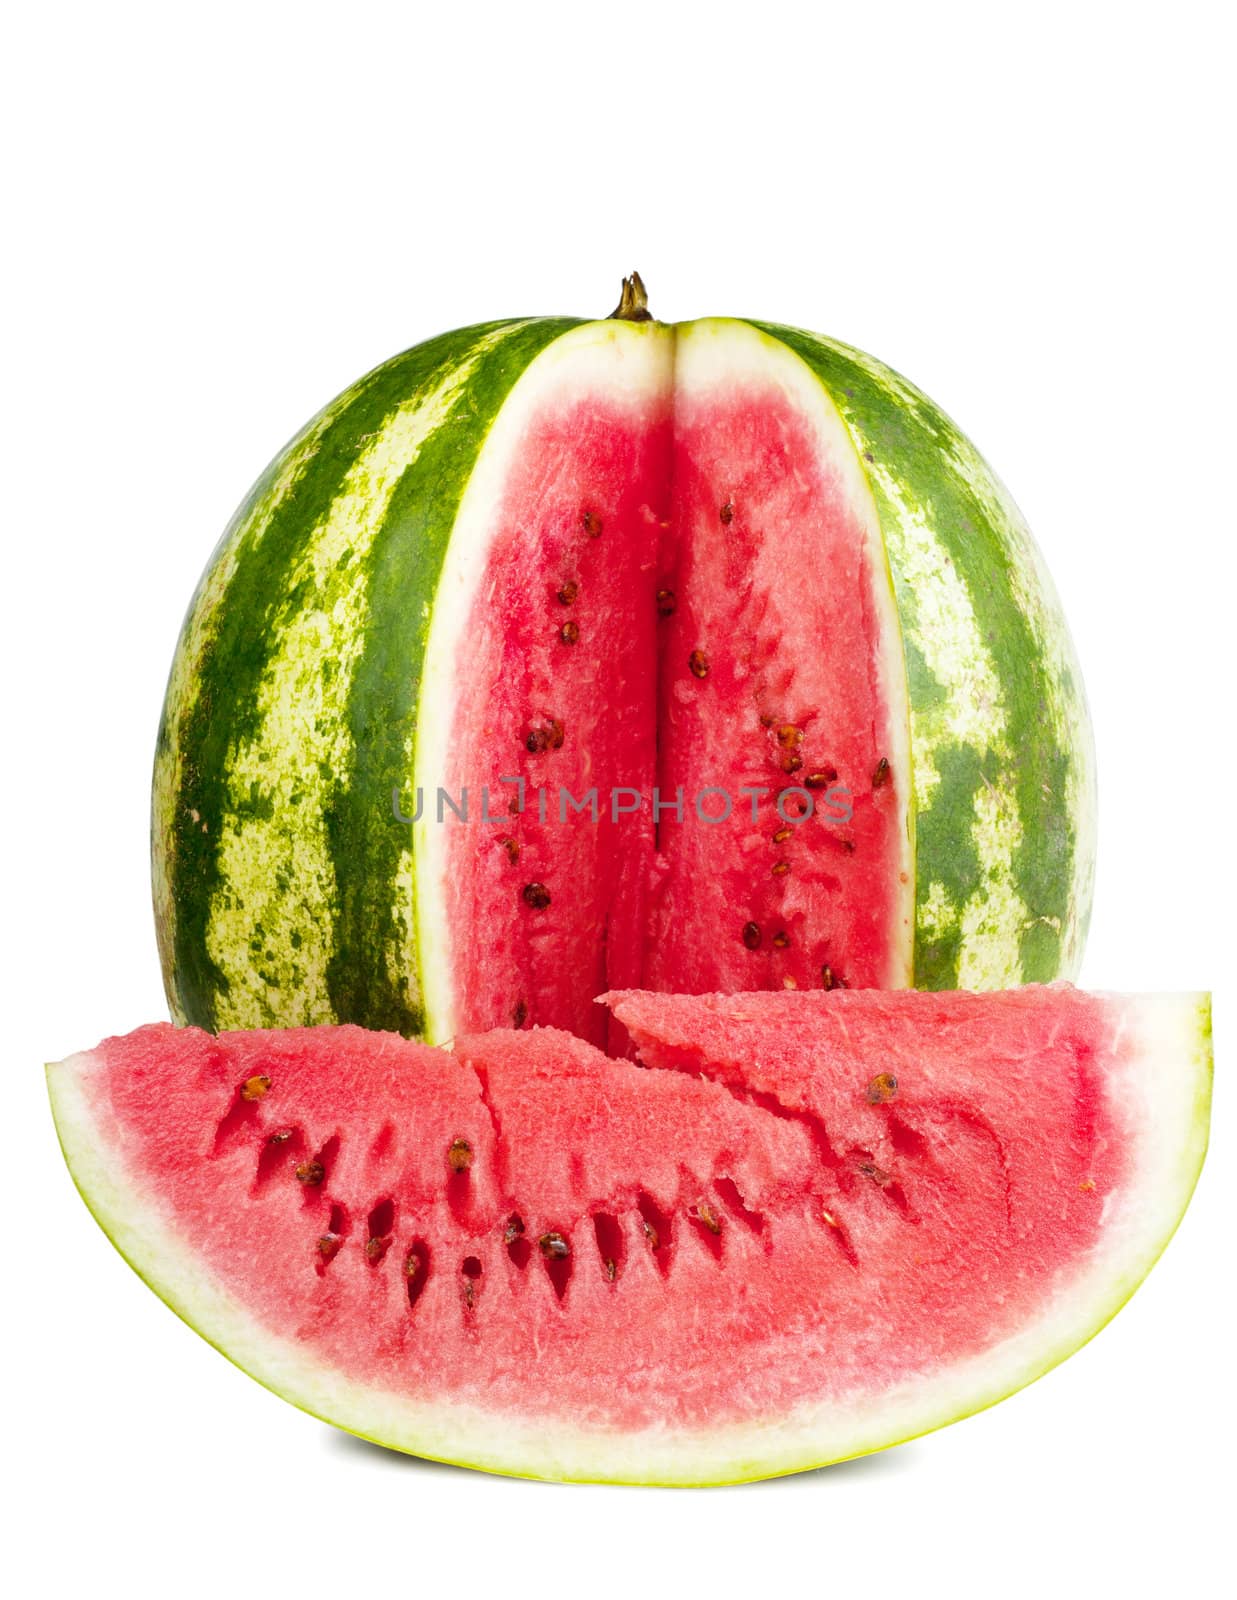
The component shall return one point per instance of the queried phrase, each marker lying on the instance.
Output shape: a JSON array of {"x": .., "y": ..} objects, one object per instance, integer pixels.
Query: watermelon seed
[
  {"x": 877, "y": 1174},
  {"x": 751, "y": 935},
  {"x": 470, "y": 1271},
  {"x": 254, "y": 1088},
  {"x": 665, "y": 602},
  {"x": 782, "y": 834},
  {"x": 328, "y": 1249},
  {"x": 766, "y": 721},
  {"x": 375, "y": 1249},
  {"x": 780, "y": 868},
  {"x": 829, "y": 979},
  {"x": 556, "y": 1253},
  {"x": 518, "y": 1247},
  {"x": 788, "y": 736},
  {"x": 592, "y": 524},
  {"x": 556, "y": 734},
  {"x": 310, "y": 1173},
  {"x": 820, "y": 779},
  {"x": 567, "y": 594},
  {"x": 519, "y": 1014},
  {"x": 880, "y": 773},
  {"x": 790, "y": 762},
  {"x": 706, "y": 1215},
  {"x": 536, "y": 895},
  {"x": 609, "y": 1243},
  {"x": 657, "y": 1229},
  {"x": 781, "y": 940},
  {"x": 379, "y": 1227},
  {"x": 511, "y": 846},
  {"x": 699, "y": 663},
  {"x": 882, "y": 1088},
  {"x": 459, "y": 1156},
  {"x": 569, "y": 633},
  {"x": 280, "y": 1136},
  {"x": 727, "y": 514},
  {"x": 416, "y": 1271},
  {"x": 536, "y": 741}
]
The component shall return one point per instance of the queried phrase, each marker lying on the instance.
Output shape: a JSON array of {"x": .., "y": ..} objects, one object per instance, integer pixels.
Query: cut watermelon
[
  {"x": 636, "y": 598},
  {"x": 837, "y": 1220}
]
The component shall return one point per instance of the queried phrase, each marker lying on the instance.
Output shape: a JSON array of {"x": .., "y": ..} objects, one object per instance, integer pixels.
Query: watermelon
[
  {"x": 558, "y": 656},
  {"x": 810, "y": 1226}
]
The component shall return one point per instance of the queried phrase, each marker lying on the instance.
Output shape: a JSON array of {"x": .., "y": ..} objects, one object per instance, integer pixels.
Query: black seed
[
  {"x": 592, "y": 524},
  {"x": 821, "y": 778},
  {"x": 882, "y": 1088},
  {"x": 536, "y": 741},
  {"x": 553, "y": 1247},
  {"x": 665, "y": 602},
  {"x": 280, "y": 1136},
  {"x": 880, "y": 773},
  {"x": 536, "y": 895},
  {"x": 459, "y": 1156},
  {"x": 310, "y": 1173},
  {"x": 514, "y": 1230},
  {"x": 781, "y": 939},
  {"x": 569, "y": 632},
  {"x": 511, "y": 846},
  {"x": 254, "y": 1088},
  {"x": 726, "y": 514},
  {"x": 699, "y": 663},
  {"x": 519, "y": 1014},
  {"x": 567, "y": 594},
  {"x": 751, "y": 935},
  {"x": 791, "y": 761}
]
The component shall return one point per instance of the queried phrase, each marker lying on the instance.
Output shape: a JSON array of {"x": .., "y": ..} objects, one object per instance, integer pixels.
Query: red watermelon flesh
[
  {"x": 674, "y": 598},
  {"x": 840, "y": 1220}
]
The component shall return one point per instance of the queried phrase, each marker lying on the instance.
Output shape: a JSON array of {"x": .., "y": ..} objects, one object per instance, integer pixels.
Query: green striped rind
[
  {"x": 1001, "y": 742},
  {"x": 281, "y": 890}
]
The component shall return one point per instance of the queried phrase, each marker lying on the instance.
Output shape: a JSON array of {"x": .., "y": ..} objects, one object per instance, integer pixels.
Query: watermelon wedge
[{"x": 810, "y": 1227}]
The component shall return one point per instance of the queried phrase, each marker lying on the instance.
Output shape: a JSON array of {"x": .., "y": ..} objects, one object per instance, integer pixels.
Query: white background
[{"x": 219, "y": 216}]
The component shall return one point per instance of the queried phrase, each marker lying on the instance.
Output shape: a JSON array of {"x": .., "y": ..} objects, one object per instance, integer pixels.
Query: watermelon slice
[{"x": 813, "y": 1225}]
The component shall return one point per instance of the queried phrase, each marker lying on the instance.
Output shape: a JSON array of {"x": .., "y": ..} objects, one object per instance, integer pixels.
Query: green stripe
[
  {"x": 1004, "y": 822},
  {"x": 368, "y": 981},
  {"x": 220, "y": 716}
]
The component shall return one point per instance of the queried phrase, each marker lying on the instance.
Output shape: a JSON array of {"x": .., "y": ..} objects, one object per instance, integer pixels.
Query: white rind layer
[{"x": 1163, "y": 1086}]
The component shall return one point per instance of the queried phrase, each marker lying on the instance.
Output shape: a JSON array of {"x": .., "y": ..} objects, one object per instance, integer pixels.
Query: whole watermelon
[{"x": 559, "y": 656}]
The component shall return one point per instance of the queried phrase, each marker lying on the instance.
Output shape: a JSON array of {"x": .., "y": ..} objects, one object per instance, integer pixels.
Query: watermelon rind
[{"x": 1163, "y": 1075}]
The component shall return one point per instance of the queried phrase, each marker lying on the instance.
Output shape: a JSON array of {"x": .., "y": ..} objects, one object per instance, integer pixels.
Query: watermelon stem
[{"x": 633, "y": 303}]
